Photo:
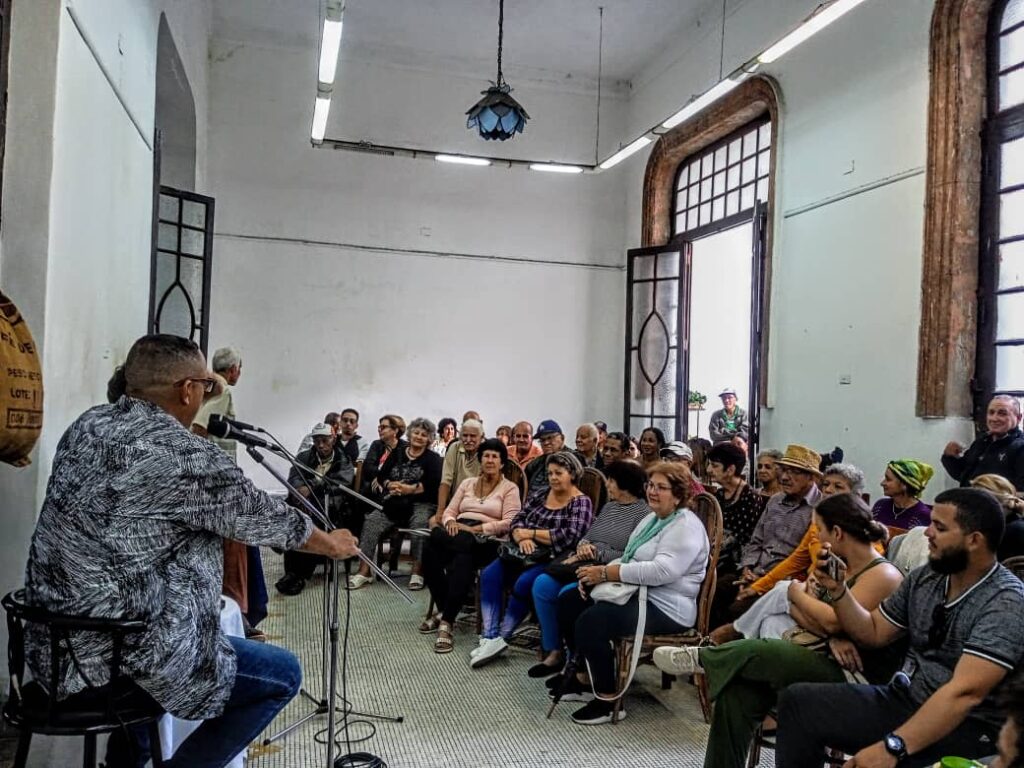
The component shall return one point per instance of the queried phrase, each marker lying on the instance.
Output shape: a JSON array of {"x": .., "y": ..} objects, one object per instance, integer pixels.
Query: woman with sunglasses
[{"x": 745, "y": 676}]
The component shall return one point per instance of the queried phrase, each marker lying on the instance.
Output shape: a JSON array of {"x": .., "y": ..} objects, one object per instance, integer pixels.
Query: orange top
[
  {"x": 800, "y": 561},
  {"x": 535, "y": 451}
]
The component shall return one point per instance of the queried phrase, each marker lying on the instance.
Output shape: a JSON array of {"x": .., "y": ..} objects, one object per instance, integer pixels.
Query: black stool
[{"x": 97, "y": 710}]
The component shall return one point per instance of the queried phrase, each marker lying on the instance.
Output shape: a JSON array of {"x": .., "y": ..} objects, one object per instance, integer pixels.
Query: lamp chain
[{"x": 501, "y": 36}]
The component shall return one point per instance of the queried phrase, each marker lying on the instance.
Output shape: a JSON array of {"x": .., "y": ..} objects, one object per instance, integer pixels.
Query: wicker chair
[
  {"x": 514, "y": 473},
  {"x": 1015, "y": 564},
  {"x": 705, "y": 506}
]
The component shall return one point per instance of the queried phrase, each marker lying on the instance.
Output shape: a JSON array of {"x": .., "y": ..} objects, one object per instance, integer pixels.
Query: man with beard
[{"x": 963, "y": 615}]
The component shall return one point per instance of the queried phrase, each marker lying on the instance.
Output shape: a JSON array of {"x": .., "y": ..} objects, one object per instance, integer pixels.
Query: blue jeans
[
  {"x": 493, "y": 579},
  {"x": 545, "y": 604},
  {"x": 268, "y": 678}
]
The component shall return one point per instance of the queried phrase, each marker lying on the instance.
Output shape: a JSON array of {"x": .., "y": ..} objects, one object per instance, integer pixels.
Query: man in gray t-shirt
[{"x": 963, "y": 618}]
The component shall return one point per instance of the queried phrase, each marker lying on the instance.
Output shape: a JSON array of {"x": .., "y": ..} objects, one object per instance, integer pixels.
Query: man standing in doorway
[{"x": 730, "y": 421}]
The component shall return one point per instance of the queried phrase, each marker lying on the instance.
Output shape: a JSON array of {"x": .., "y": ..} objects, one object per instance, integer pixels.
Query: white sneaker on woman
[
  {"x": 479, "y": 647},
  {"x": 488, "y": 651},
  {"x": 678, "y": 661}
]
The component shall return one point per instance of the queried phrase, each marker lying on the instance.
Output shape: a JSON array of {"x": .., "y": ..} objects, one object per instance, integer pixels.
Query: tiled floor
[{"x": 452, "y": 715}]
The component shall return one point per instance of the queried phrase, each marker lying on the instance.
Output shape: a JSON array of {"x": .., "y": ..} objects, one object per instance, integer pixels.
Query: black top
[
  {"x": 425, "y": 468},
  {"x": 1002, "y": 456},
  {"x": 341, "y": 470}
]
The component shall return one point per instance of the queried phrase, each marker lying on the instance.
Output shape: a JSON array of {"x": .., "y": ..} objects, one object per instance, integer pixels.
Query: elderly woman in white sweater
[{"x": 667, "y": 553}]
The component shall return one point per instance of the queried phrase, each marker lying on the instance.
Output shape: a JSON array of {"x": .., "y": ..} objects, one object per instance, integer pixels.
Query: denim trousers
[
  {"x": 493, "y": 581},
  {"x": 268, "y": 678}
]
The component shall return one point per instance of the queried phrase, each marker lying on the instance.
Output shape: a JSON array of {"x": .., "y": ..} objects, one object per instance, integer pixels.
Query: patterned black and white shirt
[{"x": 132, "y": 527}]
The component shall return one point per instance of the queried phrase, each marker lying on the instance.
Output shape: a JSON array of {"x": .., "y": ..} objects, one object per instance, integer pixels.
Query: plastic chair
[{"x": 98, "y": 710}]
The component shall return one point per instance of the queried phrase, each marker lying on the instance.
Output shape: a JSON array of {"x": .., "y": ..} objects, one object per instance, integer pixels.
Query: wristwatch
[{"x": 895, "y": 746}]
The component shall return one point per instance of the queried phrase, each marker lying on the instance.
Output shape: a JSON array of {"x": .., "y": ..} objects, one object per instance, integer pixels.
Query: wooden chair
[
  {"x": 705, "y": 506},
  {"x": 514, "y": 473},
  {"x": 594, "y": 485}
]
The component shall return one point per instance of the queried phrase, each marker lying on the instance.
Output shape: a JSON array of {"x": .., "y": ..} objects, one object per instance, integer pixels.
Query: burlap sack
[{"x": 21, "y": 387}]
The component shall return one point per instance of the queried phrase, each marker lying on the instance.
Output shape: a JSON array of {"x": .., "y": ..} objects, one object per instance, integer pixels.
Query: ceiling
[{"x": 554, "y": 40}]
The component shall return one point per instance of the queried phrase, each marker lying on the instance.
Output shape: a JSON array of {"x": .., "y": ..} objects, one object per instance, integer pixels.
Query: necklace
[{"x": 480, "y": 493}]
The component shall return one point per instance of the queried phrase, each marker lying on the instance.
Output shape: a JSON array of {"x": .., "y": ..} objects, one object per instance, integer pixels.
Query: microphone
[
  {"x": 239, "y": 424},
  {"x": 223, "y": 429}
]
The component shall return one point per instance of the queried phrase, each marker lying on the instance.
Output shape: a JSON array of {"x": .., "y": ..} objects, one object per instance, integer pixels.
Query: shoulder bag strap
[{"x": 638, "y": 641}]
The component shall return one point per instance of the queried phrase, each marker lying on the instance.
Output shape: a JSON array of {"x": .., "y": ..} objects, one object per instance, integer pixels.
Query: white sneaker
[
  {"x": 678, "y": 661},
  {"x": 479, "y": 647},
  {"x": 357, "y": 581},
  {"x": 416, "y": 582},
  {"x": 489, "y": 650}
]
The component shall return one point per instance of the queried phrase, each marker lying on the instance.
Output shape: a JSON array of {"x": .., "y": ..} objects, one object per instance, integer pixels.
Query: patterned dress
[{"x": 132, "y": 526}]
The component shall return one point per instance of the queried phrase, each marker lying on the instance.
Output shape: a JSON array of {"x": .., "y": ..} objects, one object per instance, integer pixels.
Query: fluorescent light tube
[
  {"x": 555, "y": 168},
  {"x": 329, "y": 46},
  {"x": 321, "y": 110},
  {"x": 625, "y": 152},
  {"x": 461, "y": 160},
  {"x": 812, "y": 26},
  {"x": 704, "y": 100}
]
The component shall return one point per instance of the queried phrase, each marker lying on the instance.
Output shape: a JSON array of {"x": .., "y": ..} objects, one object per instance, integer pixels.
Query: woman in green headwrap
[{"x": 902, "y": 508}]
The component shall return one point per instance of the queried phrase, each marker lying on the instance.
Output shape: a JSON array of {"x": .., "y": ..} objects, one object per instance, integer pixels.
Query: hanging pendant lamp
[{"x": 497, "y": 115}]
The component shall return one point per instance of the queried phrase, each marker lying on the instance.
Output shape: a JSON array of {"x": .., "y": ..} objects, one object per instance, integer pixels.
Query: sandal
[
  {"x": 444, "y": 643},
  {"x": 430, "y": 624}
]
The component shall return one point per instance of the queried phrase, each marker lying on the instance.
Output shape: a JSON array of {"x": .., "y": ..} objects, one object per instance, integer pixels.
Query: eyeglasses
[
  {"x": 208, "y": 384},
  {"x": 381, "y": 427},
  {"x": 349, "y": 419},
  {"x": 937, "y": 631},
  {"x": 658, "y": 487}
]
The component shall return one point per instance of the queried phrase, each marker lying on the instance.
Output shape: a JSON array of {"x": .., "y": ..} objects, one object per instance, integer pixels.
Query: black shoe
[
  {"x": 555, "y": 682},
  {"x": 573, "y": 690},
  {"x": 543, "y": 670},
  {"x": 290, "y": 585},
  {"x": 596, "y": 713}
]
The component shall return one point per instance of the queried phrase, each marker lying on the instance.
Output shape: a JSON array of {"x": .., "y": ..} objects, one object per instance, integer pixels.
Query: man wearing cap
[
  {"x": 728, "y": 422},
  {"x": 782, "y": 525},
  {"x": 678, "y": 451},
  {"x": 602, "y": 434},
  {"x": 549, "y": 435},
  {"x": 318, "y": 469}
]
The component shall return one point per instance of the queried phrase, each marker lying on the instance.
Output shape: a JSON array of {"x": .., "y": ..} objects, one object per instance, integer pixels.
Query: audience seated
[
  {"x": 332, "y": 419},
  {"x": 741, "y": 505},
  {"x": 603, "y": 542},
  {"x": 1011, "y": 735},
  {"x": 316, "y": 470},
  {"x": 407, "y": 485},
  {"x": 504, "y": 433},
  {"x": 602, "y": 433},
  {"x": 461, "y": 460},
  {"x": 552, "y": 441},
  {"x": 838, "y": 478},
  {"x": 964, "y": 618},
  {"x": 729, "y": 422},
  {"x": 1013, "y": 537},
  {"x": 615, "y": 448},
  {"x": 390, "y": 429},
  {"x": 784, "y": 522},
  {"x": 555, "y": 521},
  {"x": 1000, "y": 451},
  {"x": 668, "y": 553},
  {"x": 745, "y": 676},
  {"x": 909, "y": 550},
  {"x": 478, "y": 516},
  {"x": 523, "y": 450},
  {"x": 901, "y": 508},
  {"x": 634, "y": 448},
  {"x": 768, "y": 472},
  {"x": 699, "y": 448},
  {"x": 652, "y": 440},
  {"x": 355, "y": 445},
  {"x": 586, "y": 446},
  {"x": 447, "y": 431},
  {"x": 679, "y": 452}
]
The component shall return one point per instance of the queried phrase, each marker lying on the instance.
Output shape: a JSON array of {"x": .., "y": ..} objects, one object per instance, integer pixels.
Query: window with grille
[
  {"x": 724, "y": 181},
  {"x": 1000, "y": 364}
]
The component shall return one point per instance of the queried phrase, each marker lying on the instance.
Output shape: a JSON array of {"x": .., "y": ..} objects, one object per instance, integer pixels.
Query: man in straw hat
[{"x": 784, "y": 522}]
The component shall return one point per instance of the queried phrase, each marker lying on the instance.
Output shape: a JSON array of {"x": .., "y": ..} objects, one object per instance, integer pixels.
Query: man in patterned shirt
[{"x": 132, "y": 526}]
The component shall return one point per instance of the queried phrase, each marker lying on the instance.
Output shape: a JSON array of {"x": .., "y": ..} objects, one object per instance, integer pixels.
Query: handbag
[
  {"x": 565, "y": 573},
  {"x": 615, "y": 592},
  {"x": 509, "y": 552}
]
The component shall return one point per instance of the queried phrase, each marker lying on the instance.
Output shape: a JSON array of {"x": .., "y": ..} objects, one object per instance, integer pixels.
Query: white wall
[
  {"x": 394, "y": 284},
  {"x": 75, "y": 238},
  {"x": 846, "y": 285}
]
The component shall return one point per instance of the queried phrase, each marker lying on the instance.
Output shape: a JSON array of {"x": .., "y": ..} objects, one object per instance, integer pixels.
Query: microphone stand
[{"x": 330, "y": 667}]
